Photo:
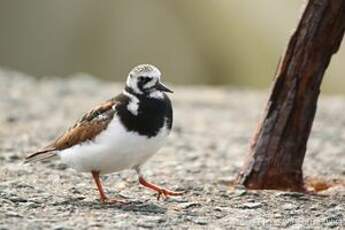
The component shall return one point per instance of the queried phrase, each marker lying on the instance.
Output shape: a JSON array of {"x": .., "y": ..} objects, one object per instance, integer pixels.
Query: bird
[{"x": 118, "y": 134}]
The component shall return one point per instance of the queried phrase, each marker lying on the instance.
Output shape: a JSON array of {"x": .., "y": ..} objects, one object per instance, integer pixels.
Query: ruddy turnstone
[{"x": 121, "y": 133}]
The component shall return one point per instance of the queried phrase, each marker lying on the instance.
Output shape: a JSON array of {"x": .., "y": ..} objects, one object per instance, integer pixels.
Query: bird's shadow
[{"x": 138, "y": 206}]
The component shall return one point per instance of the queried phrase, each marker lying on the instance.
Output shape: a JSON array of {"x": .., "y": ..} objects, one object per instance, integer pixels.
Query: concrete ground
[{"x": 204, "y": 152}]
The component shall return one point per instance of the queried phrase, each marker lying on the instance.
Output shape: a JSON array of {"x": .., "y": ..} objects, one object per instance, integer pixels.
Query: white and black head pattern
[
  {"x": 144, "y": 107},
  {"x": 145, "y": 79}
]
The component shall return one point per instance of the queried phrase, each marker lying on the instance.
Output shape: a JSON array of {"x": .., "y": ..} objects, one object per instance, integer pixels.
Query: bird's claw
[
  {"x": 165, "y": 193},
  {"x": 113, "y": 201}
]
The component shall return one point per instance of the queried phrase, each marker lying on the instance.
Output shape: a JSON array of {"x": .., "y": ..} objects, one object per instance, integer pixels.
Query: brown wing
[{"x": 88, "y": 127}]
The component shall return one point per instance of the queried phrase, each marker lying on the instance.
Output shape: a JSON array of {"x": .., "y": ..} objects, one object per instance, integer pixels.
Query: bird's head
[{"x": 145, "y": 79}]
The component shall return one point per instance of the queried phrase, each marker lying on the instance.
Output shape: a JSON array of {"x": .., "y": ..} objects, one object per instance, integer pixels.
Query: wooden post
[{"x": 279, "y": 144}]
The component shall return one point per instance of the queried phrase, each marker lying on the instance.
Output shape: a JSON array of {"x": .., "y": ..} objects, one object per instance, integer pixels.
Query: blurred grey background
[{"x": 231, "y": 42}]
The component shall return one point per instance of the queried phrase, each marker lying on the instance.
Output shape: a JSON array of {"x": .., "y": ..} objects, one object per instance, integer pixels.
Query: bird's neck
[
  {"x": 155, "y": 95},
  {"x": 132, "y": 92}
]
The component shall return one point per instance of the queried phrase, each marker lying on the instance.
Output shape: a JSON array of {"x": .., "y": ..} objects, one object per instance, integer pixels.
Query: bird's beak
[{"x": 161, "y": 87}]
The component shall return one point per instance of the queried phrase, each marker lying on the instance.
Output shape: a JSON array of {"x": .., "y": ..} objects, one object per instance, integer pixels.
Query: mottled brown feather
[{"x": 86, "y": 129}]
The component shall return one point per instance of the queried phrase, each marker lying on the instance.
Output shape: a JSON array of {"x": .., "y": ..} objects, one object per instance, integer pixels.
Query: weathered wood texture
[{"x": 279, "y": 144}]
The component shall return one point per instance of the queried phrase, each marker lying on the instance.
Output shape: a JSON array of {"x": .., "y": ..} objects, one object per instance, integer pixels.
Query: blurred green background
[{"x": 232, "y": 42}]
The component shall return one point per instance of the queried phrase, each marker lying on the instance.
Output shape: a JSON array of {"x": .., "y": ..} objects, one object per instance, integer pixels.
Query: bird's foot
[
  {"x": 166, "y": 193},
  {"x": 106, "y": 200},
  {"x": 161, "y": 192}
]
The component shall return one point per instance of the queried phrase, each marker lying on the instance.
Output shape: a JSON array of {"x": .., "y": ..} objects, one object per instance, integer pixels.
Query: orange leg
[
  {"x": 102, "y": 196},
  {"x": 160, "y": 191}
]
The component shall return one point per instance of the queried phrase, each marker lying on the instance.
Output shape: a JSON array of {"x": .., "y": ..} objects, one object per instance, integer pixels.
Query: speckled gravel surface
[{"x": 205, "y": 151}]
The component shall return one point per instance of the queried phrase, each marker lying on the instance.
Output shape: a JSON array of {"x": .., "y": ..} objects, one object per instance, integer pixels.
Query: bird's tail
[{"x": 43, "y": 154}]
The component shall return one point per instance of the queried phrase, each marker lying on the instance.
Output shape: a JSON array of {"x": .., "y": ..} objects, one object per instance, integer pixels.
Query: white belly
[{"x": 113, "y": 150}]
